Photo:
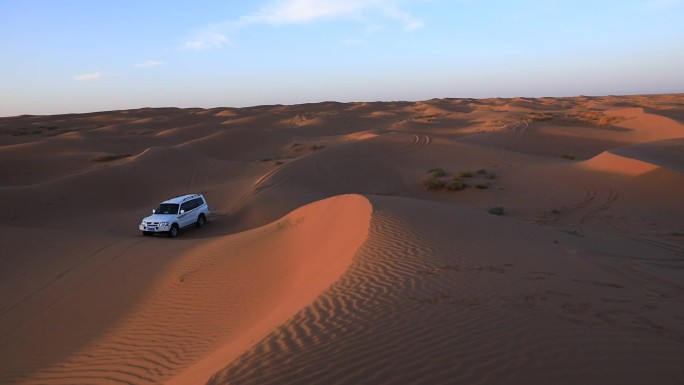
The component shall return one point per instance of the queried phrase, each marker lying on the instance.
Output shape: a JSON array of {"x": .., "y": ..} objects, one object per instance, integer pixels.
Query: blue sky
[{"x": 78, "y": 56}]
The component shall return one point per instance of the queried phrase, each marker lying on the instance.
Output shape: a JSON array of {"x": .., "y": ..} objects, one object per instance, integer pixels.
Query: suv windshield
[{"x": 167, "y": 208}]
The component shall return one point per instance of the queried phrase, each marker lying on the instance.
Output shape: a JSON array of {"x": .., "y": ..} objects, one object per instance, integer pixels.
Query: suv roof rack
[{"x": 183, "y": 198}]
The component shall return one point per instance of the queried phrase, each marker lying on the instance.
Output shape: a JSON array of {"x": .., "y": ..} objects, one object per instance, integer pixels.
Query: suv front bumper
[{"x": 154, "y": 228}]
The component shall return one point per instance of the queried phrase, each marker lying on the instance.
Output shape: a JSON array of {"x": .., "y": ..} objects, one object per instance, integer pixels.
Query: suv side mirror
[
  {"x": 182, "y": 212},
  {"x": 153, "y": 210}
]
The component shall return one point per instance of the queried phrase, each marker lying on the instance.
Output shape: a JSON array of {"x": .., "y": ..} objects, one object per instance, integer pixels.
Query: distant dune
[{"x": 448, "y": 241}]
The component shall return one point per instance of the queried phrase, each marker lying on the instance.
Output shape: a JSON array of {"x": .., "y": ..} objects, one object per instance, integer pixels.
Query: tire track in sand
[
  {"x": 369, "y": 170},
  {"x": 372, "y": 148},
  {"x": 612, "y": 196}
]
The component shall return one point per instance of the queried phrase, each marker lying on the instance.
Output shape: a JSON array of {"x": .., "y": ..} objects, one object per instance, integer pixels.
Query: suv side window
[
  {"x": 193, "y": 204},
  {"x": 186, "y": 206}
]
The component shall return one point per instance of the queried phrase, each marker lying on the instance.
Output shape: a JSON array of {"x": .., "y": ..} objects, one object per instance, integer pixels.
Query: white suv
[{"x": 175, "y": 214}]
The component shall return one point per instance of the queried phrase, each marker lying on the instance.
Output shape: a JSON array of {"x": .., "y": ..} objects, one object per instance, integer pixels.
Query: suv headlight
[{"x": 163, "y": 223}]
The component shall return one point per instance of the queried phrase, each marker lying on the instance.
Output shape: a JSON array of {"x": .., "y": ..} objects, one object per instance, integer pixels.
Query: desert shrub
[
  {"x": 316, "y": 147},
  {"x": 465, "y": 174},
  {"x": 539, "y": 116},
  {"x": 576, "y": 232},
  {"x": 428, "y": 117},
  {"x": 482, "y": 171},
  {"x": 496, "y": 210},
  {"x": 567, "y": 156},
  {"x": 456, "y": 185},
  {"x": 434, "y": 184},
  {"x": 437, "y": 172},
  {"x": 482, "y": 186},
  {"x": 491, "y": 176}
]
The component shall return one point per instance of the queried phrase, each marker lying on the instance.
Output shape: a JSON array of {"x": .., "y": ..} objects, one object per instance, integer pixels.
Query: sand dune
[
  {"x": 428, "y": 300},
  {"x": 349, "y": 243},
  {"x": 609, "y": 162},
  {"x": 248, "y": 283}
]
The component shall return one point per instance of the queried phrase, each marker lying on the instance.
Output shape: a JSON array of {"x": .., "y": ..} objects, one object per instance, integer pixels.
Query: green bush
[
  {"x": 496, "y": 210},
  {"x": 437, "y": 172},
  {"x": 456, "y": 185},
  {"x": 433, "y": 184}
]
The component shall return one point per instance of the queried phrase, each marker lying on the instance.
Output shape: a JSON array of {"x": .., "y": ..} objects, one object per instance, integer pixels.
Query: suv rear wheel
[
  {"x": 173, "y": 233},
  {"x": 201, "y": 221}
]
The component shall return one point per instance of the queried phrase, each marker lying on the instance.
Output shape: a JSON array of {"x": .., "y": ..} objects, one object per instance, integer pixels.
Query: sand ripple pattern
[
  {"x": 158, "y": 340},
  {"x": 411, "y": 312},
  {"x": 336, "y": 324}
]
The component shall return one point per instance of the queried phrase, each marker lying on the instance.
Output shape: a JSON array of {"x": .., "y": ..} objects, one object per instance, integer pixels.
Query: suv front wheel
[{"x": 173, "y": 233}]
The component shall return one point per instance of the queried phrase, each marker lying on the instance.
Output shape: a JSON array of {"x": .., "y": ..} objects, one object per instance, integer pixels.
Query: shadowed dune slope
[
  {"x": 665, "y": 153},
  {"x": 638, "y": 159}
]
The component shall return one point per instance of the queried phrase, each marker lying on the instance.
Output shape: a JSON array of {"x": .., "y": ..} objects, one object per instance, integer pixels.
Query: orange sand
[{"x": 328, "y": 261}]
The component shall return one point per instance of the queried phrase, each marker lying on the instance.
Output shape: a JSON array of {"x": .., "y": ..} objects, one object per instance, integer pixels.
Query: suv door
[{"x": 186, "y": 219}]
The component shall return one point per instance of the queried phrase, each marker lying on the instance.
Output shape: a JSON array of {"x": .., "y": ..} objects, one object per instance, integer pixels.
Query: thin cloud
[
  {"x": 149, "y": 64},
  {"x": 210, "y": 37},
  {"x": 90, "y": 76},
  {"x": 410, "y": 22},
  {"x": 283, "y": 12},
  {"x": 303, "y": 11}
]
